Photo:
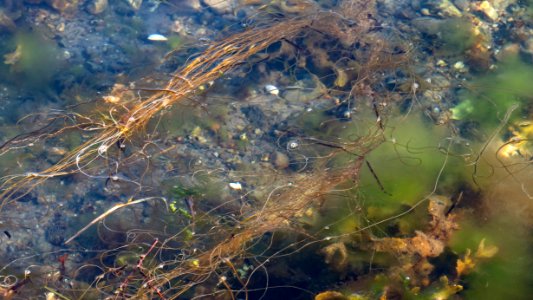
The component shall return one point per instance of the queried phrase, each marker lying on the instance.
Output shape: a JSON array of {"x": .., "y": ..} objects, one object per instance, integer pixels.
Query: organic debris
[
  {"x": 255, "y": 145},
  {"x": 13, "y": 57},
  {"x": 467, "y": 264},
  {"x": 414, "y": 252}
]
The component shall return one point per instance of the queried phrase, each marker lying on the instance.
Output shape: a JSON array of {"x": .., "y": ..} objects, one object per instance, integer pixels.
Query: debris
[
  {"x": 336, "y": 255},
  {"x": 486, "y": 251},
  {"x": 13, "y": 57},
  {"x": 447, "y": 290},
  {"x": 465, "y": 265},
  {"x": 413, "y": 252},
  {"x": 330, "y": 295}
]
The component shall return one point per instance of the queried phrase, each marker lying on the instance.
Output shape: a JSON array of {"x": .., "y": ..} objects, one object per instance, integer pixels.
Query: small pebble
[
  {"x": 237, "y": 186},
  {"x": 271, "y": 89},
  {"x": 459, "y": 66},
  {"x": 281, "y": 160},
  {"x": 157, "y": 37},
  {"x": 291, "y": 145}
]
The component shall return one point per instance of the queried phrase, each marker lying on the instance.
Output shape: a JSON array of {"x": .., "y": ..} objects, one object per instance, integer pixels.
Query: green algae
[
  {"x": 416, "y": 160},
  {"x": 487, "y": 99},
  {"x": 35, "y": 59},
  {"x": 507, "y": 275},
  {"x": 409, "y": 167},
  {"x": 457, "y": 36},
  {"x": 175, "y": 42},
  {"x": 453, "y": 37}
]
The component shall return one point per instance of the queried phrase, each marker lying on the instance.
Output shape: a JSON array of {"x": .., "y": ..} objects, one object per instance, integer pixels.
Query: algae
[
  {"x": 487, "y": 99},
  {"x": 33, "y": 62}
]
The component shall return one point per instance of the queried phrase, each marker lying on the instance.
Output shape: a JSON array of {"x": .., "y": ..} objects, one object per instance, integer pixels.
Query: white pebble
[
  {"x": 235, "y": 186},
  {"x": 156, "y": 37},
  {"x": 271, "y": 89}
]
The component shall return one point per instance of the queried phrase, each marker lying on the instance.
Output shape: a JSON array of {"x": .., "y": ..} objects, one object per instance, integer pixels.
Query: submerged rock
[
  {"x": 222, "y": 7},
  {"x": 6, "y": 23},
  {"x": 156, "y": 37},
  {"x": 428, "y": 25},
  {"x": 487, "y": 9},
  {"x": 135, "y": 4},
  {"x": 281, "y": 160},
  {"x": 63, "y": 5},
  {"x": 444, "y": 8},
  {"x": 97, "y": 6},
  {"x": 56, "y": 230}
]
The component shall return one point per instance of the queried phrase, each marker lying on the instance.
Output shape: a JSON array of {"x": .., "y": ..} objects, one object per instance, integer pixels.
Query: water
[{"x": 332, "y": 150}]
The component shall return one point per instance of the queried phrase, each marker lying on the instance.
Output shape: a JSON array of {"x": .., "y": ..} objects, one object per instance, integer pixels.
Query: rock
[
  {"x": 388, "y": 6},
  {"x": 444, "y": 8},
  {"x": 486, "y": 8},
  {"x": 463, "y": 5},
  {"x": 401, "y": 9},
  {"x": 6, "y": 23},
  {"x": 460, "y": 67},
  {"x": 56, "y": 230},
  {"x": 97, "y": 6},
  {"x": 281, "y": 160},
  {"x": 222, "y": 7},
  {"x": 63, "y": 5},
  {"x": 156, "y": 37},
  {"x": 195, "y": 4},
  {"x": 439, "y": 81},
  {"x": 501, "y": 5},
  {"x": 135, "y": 4},
  {"x": 428, "y": 25},
  {"x": 254, "y": 115}
]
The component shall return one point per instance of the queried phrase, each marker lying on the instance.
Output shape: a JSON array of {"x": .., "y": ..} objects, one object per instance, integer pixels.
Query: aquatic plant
[{"x": 213, "y": 229}]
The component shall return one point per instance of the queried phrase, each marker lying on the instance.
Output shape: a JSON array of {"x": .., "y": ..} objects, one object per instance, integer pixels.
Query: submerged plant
[{"x": 246, "y": 196}]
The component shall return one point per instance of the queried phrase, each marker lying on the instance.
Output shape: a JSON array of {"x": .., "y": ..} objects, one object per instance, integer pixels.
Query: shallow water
[{"x": 384, "y": 157}]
